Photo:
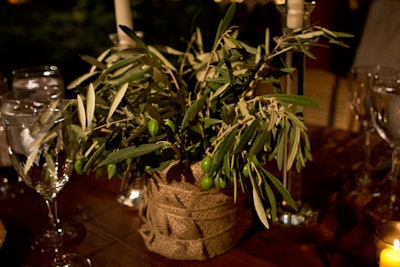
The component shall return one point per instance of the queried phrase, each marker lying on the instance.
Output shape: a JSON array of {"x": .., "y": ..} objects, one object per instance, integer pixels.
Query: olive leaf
[
  {"x": 81, "y": 79},
  {"x": 272, "y": 201},
  {"x": 117, "y": 100},
  {"x": 133, "y": 76},
  {"x": 153, "y": 50},
  {"x": 94, "y": 157},
  {"x": 81, "y": 112},
  {"x": 191, "y": 113},
  {"x": 31, "y": 157},
  {"x": 226, "y": 144},
  {"x": 93, "y": 61},
  {"x": 100, "y": 58},
  {"x": 50, "y": 166},
  {"x": 259, "y": 142},
  {"x": 246, "y": 137},
  {"x": 138, "y": 41},
  {"x": 130, "y": 152},
  {"x": 225, "y": 23},
  {"x": 123, "y": 63},
  {"x": 310, "y": 35},
  {"x": 281, "y": 189},
  {"x": 258, "y": 205},
  {"x": 300, "y": 100},
  {"x": 90, "y": 104},
  {"x": 295, "y": 143}
]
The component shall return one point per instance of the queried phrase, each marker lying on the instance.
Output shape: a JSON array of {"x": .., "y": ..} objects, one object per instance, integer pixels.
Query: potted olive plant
[{"x": 145, "y": 110}]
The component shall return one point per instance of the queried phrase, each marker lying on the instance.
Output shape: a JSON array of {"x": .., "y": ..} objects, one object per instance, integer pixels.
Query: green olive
[
  {"x": 111, "y": 170},
  {"x": 206, "y": 163},
  {"x": 128, "y": 161},
  {"x": 246, "y": 170},
  {"x": 78, "y": 166},
  {"x": 153, "y": 127},
  {"x": 206, "y": 182},
  {"x": 255, "y": 160},
  {"x": 171, "y": 125},
  {"x": 221, "y": 183}
]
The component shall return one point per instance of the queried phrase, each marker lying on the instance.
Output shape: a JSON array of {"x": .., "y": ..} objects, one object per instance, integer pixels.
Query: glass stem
[
  {"x": 394, "y": 176},
  {"x": 51, "y": 204},
  {"x": 367, "y": 151}
]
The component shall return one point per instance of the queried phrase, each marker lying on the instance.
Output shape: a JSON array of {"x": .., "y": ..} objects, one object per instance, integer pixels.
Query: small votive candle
[
  {"x": 390, "y": 256},
  {"x": 387, "y": 241}
]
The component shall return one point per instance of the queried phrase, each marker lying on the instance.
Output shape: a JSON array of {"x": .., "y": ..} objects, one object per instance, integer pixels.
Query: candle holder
[
  {"x": 387, "y": 244},
  {"x": 132, "y": 196},
  {"x": 291, "y": 20}
]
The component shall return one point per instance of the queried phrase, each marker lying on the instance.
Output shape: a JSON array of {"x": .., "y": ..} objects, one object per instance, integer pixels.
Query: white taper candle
[
  {"x": 295, "y": 14},
  {"x": 123, "y": 16}
]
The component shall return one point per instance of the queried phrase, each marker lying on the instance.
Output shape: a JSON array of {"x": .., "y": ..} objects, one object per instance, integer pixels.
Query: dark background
[{"x": 40, "y": 32}]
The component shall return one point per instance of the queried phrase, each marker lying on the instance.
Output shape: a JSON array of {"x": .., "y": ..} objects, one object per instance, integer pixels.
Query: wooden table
[{"x": 343, "y": 235}]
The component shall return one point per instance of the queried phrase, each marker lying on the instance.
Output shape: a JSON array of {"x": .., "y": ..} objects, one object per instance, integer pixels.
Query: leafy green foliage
[{"x": 210, "y": 97}]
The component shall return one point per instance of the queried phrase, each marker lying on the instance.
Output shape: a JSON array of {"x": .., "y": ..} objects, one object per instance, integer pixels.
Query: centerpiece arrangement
[{"x": 192, "y": 123}]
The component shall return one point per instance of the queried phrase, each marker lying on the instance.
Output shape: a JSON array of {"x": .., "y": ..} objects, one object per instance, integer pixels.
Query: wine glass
[
  {"x": 360, "y": 82},
  {"x": 42, "y": 150},
  {"x": 45, "y": 83},
  {"x": 385, "y": 111},
  {"x": 9, "y": 187}
]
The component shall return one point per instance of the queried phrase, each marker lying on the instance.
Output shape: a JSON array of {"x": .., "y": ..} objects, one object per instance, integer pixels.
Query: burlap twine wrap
[{"x": 184, "y": 222}]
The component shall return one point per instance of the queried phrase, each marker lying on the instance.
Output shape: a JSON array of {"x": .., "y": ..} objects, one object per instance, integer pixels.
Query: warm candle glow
[
  {"x": 17, "y": 2},
  {"x": 390, "y": 256}
]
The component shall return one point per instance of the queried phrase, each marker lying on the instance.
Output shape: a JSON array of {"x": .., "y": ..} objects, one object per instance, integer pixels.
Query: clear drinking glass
[
  {"x": 360, "y": 82},
  {"x": 9, "y": 187},
  {"x": 46, "y": 81},
  {"x": 385, "y": 111},
  {"x": 70, "y": 231},
  {"x": 42, "y": 151}
]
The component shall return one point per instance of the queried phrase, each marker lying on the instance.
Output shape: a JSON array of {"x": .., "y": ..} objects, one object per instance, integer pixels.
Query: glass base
[
  {"x": 133, "y": 195},
  {"x": 11, "y": 185},
  {"x": 362, "y": 188},
  {"x": 70, "y": 260},
  {"x": 70, "y": 233},
  {"x": 383, "y": 209},
  {"x": 305, "y": 215}
]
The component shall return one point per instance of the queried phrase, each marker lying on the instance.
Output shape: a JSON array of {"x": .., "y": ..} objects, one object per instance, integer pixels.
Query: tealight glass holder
[
  {"x": 387, "y": 244},
  {"x": 132, "y": 196}
]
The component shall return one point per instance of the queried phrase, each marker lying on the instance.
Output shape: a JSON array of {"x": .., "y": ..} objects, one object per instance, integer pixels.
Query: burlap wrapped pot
[{"x": 184, "y": 222}]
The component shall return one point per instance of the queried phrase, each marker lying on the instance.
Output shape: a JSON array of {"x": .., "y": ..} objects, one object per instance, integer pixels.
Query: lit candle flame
[{"x": 396, "y": 244}]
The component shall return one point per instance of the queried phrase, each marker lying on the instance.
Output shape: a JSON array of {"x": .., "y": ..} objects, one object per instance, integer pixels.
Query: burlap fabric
[{"x": 184, "y": 222}]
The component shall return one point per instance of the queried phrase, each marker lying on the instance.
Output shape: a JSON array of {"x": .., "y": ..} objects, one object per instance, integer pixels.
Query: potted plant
[{"x": 146, "y": 109}]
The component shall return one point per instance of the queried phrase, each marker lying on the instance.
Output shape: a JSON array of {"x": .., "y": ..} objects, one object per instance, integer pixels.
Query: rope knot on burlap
[{"x": 184, "y": 222}]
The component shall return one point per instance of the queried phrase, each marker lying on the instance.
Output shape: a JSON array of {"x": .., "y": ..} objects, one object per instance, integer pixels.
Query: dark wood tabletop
[{"x": 342, "y": 235}]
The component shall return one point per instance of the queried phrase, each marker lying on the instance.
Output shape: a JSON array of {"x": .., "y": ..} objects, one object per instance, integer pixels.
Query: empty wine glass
[
  {"x": 42, "y": 151},
  {"x": 385, "y": 111},
  {"x": 360, "y": 82}
]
